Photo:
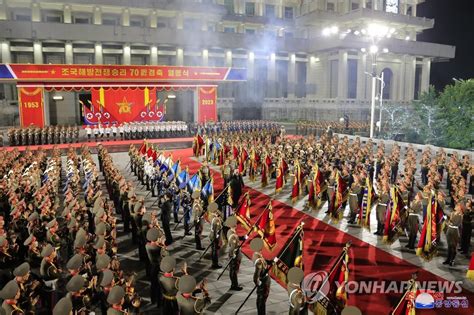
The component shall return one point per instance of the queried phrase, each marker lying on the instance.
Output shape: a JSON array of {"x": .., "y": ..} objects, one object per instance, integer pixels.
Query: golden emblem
[{"x": 125, "y": 106}]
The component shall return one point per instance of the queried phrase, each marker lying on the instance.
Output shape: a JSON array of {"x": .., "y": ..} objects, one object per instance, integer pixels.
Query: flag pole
[
  {"x": 245, "y": 238},
  {"x": 298, "y": 229},
  {"x": 403, "y": 298},
  {"x": 348, "y": 244}
]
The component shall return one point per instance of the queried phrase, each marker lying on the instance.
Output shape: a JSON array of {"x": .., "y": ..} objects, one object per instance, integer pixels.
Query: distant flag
[
  {"x": 143, "y": 148},
  {"x": 174, "y": 170},
  {"x": 194, "y": 184},
  {"x": 208, "y": 191},
  {"x": 242, "y": 212},
  {"x": 183, "y": 178},
  {"x": 266, "y": 227},
  {"x": 291, "y": 255}
]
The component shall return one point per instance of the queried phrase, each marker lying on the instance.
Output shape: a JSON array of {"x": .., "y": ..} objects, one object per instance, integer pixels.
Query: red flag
[
  {"x": 268, "y": 161},
  {"x": 235, "y": 152},
  {"x": 426, "y": 248},
  {"x": 340, "y": 196},
  {"x": 394, "y": 214},
  {"x": 242, "y": 213},
  {"x": 266, "y": 228},
  {"x": 295, "y": 191},
  {"x": 154, "y": 156},
  {"x": 149, "y": 153},
  {"x": 143, "y": 148},
  {"x": 245, "y": 154},
  {"x": 280, "y": 178},
  {"x": 470, "y": 271},
  {"x": 264, "y": 175},
  {"x": 406, "y": 304}
]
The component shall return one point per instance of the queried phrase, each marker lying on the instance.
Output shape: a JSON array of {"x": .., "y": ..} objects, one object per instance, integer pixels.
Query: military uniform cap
[
  {"x": 100, "y": 242},
  {"x": 75, "y": 262},
  {"x": 351, "y": 310},
  {"x": 100, "y": 228},
  {"x": 107, "y": 277},
  {"x": 2, "y": 240},
  {"x": 186, "y": 284},
  {"x": 22, "y": 270},
  {"x": 47, "y": 250},
  {"x": 256, "y": 244},
  {"x": 167, "y": 264},
  {"x": 153, "y": 234},
  {"x": 231, "y": 222},
  {"x": 116, "y": 295},
  {"x": 9, "y": 290},
  {"x": 80, "y": 241},
  {"x": 29, "y": 240},
  {"x": 33, "y": 216},
  {"x": 75, "y": 284},
  {"x": 195, "y": 194},
  {"x": 213, "y": 207},
  {"x": 63, "y": 307},
  {"x": 295, "y": 275},
  {"x": 51, "y": 223},
  {"x": 102, "y": 261}
]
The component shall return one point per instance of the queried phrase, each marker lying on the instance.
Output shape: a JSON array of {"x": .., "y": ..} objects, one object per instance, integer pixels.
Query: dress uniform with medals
[
  {"x": 260, "y": 276},
  {"x": 168, "y": 283}
]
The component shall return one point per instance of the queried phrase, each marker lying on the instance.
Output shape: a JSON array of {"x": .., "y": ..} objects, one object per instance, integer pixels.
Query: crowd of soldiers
[
  {"x": 234, "y": 126},
  {"x": 48, "y": 135},
  {"x": 352, "y": 169},
  {"x": 317, "y": 128},
  {"x": 136, "y": 130},
  {"x": 58, "y": 238}
]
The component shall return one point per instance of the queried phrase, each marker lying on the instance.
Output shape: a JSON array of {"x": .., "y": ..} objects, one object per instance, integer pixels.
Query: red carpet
[
  {"x": 323, "y": 243},
  {"x": 104, "y": 143}
]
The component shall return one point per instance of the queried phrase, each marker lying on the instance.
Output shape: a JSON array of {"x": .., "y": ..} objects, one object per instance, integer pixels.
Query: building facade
[{"x": 305, "y": 59}]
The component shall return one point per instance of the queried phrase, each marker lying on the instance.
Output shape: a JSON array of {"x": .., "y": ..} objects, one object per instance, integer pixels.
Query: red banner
[
  {"x": 118, "y": 105},
  {"x": 207, "y": 104},
  {"x": 31, "y": 105},
  {"x": 87, "y": 73}
]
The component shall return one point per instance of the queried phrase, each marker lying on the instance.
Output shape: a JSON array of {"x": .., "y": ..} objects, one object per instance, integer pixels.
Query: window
[
  {"x": 112, "y": 59},
  {"x": 137, "y": 21},
  {"x": 192, "y": 24},
  {"x": 250, "y": 8},
  {"x": 229, "y": 29},
  {"x": 355, "y": 5},
  {"x": 270, "y": 10},
  {"x": 22, "y": 15},
  {"x": 139, "y": 60},
  {"x": 300, "y": 88},
  {"x": 82, "y": 19},
  {"x": 83, "y": 59},
  {"x": 54, "y": 58},
  {"x": 391, "y": 6},
  {"x": 333, "y": 78},
  {"x": 250, "y": 31},
  {"x": 211, "y": 27},
  {"x": 409, "y": 10},
  {"x": 52, "y": 16},
  {"x": 22, "y": 57},
  {"x": 288, "y": 13},
  {"x": 110, "y": 19},
  {"x": 352, "y": 78},
  {"x": 330, "y": 6},
  {"x": 368, "y": 4},
  {"x": 282, "y": 78},
  {"x": 161, "y": 25},
  {"x": 229, "y": 4},
  {"x": 387, "y": 79}
]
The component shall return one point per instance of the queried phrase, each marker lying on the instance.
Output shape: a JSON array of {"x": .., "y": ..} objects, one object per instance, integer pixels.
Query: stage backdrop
[
  {"x": 207, "y": 104},
  {"x": 122, "y": 104},
  {"x": 31, "y": 105}
]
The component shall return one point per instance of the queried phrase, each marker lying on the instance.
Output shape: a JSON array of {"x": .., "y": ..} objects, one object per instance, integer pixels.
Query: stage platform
[{"x": 113, "y": 146}]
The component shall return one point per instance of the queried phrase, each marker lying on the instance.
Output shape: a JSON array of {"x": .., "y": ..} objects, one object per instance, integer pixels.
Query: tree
[
  {"x": 456, "y": 114},
  {"x": 428, "y": 124}
]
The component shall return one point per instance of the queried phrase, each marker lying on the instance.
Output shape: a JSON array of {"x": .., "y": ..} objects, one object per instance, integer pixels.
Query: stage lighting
[
  {"x": 58, "y": 97},
  {"x": 171, "y": 96}
]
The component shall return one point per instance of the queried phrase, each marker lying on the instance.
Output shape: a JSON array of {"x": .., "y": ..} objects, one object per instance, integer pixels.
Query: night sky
[{"x": 454, "y": 25}]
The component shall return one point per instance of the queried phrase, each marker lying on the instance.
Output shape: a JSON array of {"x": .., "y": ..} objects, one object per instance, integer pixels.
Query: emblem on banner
[{"x": 125, "y": 107}]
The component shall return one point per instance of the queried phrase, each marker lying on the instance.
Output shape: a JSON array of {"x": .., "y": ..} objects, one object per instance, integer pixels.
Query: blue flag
[
  {"x": 208, "y": 191},
  {"x": 194, "y": 183},
  {"x": 182, "y": 179}
]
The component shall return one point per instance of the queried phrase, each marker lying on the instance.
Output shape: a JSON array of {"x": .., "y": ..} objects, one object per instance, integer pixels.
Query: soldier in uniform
[
  {"x": 165, "y": 217},
  {"x": 260, "y": 277},
  {"x": 452, "y": 234},
  {"x": 414, "y": 212},
  {"x": 354, "y": 198},
  {"x": 63, "y": 307},
  {"x": 154, "y": 251},
  {"x": 226, "y": 172},
  {"x": 381, "y": 209},
  {"x": 188, "y": 302},
  {"x": 215, "y": 235},
  {"x": 168, "y": 283},
  {"x": 198, "y": 212},
  {"x": 116, "y": 298},
  {"x": 10, "y": 295},
  {"x": 234, "y": 252},
  {"x": 296, "y": 296}
]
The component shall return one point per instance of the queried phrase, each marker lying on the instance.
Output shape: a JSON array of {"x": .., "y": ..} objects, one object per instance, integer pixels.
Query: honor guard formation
[
  {"x": 58, "y": 225},
  {"x": 47, "y": 135}
]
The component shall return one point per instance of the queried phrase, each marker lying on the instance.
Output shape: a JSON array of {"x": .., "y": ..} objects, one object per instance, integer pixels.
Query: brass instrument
[{"x": 133, "y": 296}]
